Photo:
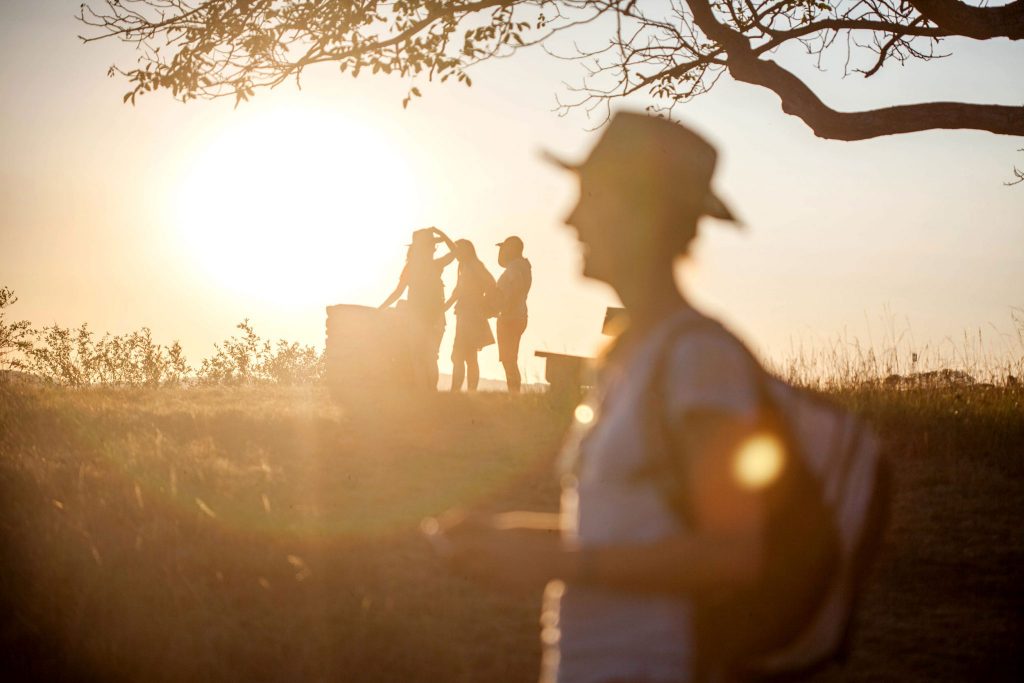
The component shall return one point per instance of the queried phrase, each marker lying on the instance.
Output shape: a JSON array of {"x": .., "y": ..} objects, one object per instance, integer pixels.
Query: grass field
[{"x": 265, "y": 534}]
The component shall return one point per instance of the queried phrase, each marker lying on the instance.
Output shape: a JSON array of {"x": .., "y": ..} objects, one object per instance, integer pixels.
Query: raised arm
[{"x": 445, "y": 260}]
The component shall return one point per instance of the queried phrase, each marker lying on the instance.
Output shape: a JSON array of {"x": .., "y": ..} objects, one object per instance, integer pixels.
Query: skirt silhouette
[{"x": 472, "y": 333}]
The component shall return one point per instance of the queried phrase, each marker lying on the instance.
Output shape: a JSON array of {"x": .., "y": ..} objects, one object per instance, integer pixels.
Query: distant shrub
[
  {"x": 178, "y": 369},
  {"x": 15, "y": 336},
  {"x": 293, "y": 363},
  {"x": 237, "y": 360},
  {"x": 74, "y": 357},
  {"x": 71, "y": 357},
  {"x": 64, "y": 355},
  {"x": 248, "y": 358}
]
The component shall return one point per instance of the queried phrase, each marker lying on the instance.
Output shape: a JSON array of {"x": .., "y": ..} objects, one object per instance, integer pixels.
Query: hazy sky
[{"x": 189, "y": 218}]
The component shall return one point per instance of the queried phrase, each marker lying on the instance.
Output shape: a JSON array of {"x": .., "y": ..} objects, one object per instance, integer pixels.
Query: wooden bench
[
  {"x": 564, "y": 373},
  {"x": 569, "y": 375}
]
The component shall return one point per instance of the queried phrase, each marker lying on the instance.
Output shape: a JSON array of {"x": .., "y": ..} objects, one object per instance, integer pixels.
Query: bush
[
  {"x": 248, "y": 359},
  {"x": 237, "y": 360},
  {"x": 64, "y": 356},
  {"x": 15, "y": 336},
  {"x": 73, "y": 357},
  {"x": 294, "y": 364},
  {"x": 70, "y": 357}
]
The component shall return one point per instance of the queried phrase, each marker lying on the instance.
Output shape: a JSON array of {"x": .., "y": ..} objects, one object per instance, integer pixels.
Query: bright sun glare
[
  {"x": 299, "y": 205},
  {"x": 759, "y": 461}
]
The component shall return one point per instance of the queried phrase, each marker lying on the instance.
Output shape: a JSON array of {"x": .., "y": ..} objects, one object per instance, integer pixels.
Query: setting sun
[{"x": 297, "y": 204}]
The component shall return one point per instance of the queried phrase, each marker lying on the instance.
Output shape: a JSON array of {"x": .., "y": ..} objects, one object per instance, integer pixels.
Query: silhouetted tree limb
[
  {"x": 982, "y": 23},
  {"x": 673, "y": 50},
  {"x": 800, "y": 101}
]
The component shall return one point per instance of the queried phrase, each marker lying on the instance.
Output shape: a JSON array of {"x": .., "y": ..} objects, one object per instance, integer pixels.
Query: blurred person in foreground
[
  {"x": 422, "y": 277},
  {"x": 513, "y": 287},
  {"x": 628, "y": 555},
  {"x": 475, "y": 287}
]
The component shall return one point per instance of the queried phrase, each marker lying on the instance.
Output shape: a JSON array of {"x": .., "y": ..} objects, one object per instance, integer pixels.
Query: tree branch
[
  {"x": 1006, "y": 21},
  {"x": 800, "y": 101},
  {"x": 215, "y": 48},
  {"x": 781, "y": 35}
]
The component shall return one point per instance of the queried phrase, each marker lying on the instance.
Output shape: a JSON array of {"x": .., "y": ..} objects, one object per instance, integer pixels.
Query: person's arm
[
  {"x": 445, "y": 260},
  {"x": 724, "y": 550},
  {"x": 439, "y": 234},
  {"x": 455, "y": 295},
  {"x": 514, "y": 549},
  {"x": 403, "y": 282}
]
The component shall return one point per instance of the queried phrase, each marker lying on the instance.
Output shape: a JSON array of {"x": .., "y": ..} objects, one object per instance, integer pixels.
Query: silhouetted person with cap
[
  {"x": 472, "y": 329},
  {"x": 513, "y": 287},
  {"x": 632, "y": 553},
  {"x": 422, "y": 277}
]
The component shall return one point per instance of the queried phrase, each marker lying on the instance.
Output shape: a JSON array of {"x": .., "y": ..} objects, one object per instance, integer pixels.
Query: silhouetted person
[
  {"x": 513, "y": 287},
  {"x": 422, "y": 277},
  {"x": 652, "y": 517},
  {"x": 472, "y": 330}
]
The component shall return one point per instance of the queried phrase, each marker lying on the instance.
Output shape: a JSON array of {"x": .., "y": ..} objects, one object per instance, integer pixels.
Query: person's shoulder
[
  {"x": 709, "y": 367},
  {"x": 521, "y": 271},
  {"x": 707, "y": 342}
]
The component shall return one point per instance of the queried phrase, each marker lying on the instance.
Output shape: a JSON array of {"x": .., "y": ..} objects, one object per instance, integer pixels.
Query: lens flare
[
  {"x": 759, "y": 461},
  {"x": 584, "y": 414}
]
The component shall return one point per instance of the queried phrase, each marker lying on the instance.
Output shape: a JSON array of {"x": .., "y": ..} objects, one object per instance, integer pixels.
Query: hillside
[{"x": 267, "y": 534}]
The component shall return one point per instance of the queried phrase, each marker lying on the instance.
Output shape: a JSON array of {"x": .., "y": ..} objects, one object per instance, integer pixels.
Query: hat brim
[
  {"x": 716, "y": 208},
  {"x": 713, "y": 205},
  {"x": 558, "y": 161}
]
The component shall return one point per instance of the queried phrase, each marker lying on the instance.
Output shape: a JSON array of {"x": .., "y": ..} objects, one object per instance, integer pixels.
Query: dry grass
[
  {"x": 265, "y": 534},
  {"x": 993, "y": 356}
]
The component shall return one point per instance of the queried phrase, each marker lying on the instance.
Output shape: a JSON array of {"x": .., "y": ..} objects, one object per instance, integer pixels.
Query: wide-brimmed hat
[
  {"x": 423, "y": 237},
  {"x": 639, "y": 146}
]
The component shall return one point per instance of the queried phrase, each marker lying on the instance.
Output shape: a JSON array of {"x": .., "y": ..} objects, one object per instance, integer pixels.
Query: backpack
[
  {"x": 493, "y": 301},
  {"x": 826, "y": 515}
]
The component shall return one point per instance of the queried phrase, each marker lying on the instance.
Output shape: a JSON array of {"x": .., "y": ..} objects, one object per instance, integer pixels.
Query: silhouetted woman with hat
[
  {"x": 653, "y": 516},
  {"x": 474, "y": 289},
  {"x": 425, "y": 308}
]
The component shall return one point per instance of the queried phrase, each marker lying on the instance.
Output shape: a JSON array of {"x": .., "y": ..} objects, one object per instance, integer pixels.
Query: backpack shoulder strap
[
  {"x": 658, "y": 431},
  {"x": 660, "y": 368}
]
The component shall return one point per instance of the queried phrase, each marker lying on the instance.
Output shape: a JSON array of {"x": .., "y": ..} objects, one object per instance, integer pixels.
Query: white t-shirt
[
  {"x": 596, "y": 635},
  {"x": 514, "y": 285}
]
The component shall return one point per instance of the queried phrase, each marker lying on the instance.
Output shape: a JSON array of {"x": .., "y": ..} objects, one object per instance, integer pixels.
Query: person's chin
[{"x": 591, "y": 271}]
